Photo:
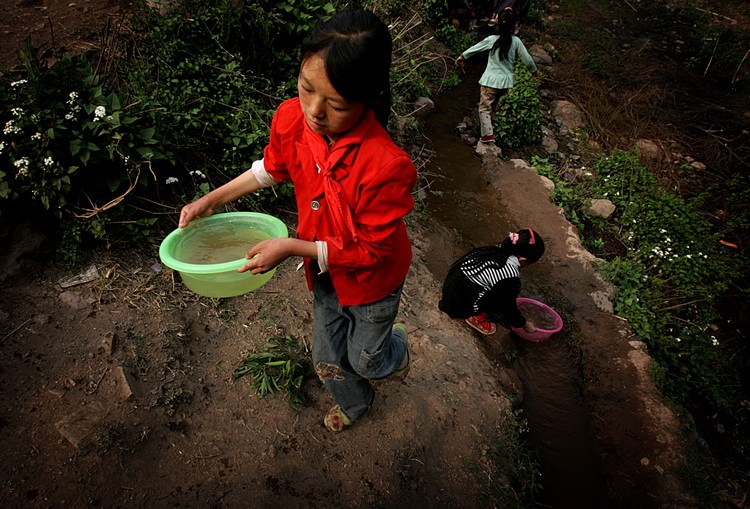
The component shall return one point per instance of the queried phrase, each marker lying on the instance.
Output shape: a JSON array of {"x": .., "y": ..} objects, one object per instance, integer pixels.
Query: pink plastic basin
[{"x": 544, "y": 317}]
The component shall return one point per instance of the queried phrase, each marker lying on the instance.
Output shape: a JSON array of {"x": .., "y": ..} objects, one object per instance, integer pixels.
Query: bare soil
[{"x": 118, "y": 391}]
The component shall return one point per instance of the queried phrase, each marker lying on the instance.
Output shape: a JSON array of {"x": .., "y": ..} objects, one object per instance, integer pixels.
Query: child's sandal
[
  {"x": 336, "y": 420},
  {"x": 482, "y": 324}
]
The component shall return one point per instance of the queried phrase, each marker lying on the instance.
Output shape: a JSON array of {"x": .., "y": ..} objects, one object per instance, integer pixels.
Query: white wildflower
[
  {"x": 198, "y": 173},
  {"x": 48, "y": 161},
  {"x": 171, "y": 180},
  {"x": 17, "y": 83},
  {"x": 69, "y": 116},
  {"x": 11, "y": 128},
  {"x": 36, "y": 136},
  {"x": 2, "y": 146},
  {"x": 677, "y": 339},
  {"x": 99, "y": 112},
  {"x": 73, "y": 96},
  {"x": 22, "y": 165},
  {"x": 17, "y": 112},
  {"x": 714, "y": 341}
]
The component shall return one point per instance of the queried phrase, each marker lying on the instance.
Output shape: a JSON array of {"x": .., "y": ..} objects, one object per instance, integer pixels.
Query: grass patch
[{"x": 515, "y": 471}]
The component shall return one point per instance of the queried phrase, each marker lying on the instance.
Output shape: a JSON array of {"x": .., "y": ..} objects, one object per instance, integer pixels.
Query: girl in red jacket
[{"x": 352, "y": 186}]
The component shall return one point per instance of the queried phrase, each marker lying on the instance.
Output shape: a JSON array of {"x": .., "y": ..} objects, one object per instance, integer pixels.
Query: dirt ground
[{"x": 118, "y": 391}]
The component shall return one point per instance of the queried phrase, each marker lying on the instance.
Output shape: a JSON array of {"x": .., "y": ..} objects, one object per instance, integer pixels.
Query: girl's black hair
[
  {"x": 505, "y": 27},
  {"x": 356, "y": 47},
  {"x": 529, "y": 245}
]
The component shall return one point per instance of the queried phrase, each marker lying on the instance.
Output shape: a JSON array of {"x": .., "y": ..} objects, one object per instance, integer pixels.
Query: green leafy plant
[
  {"x": 516, "y": 472},
  {"x": 518, "y": 123},
  {"x": 281, "y": 365},
  {"x": 69, "y": 145},
  {"x": 670, "y": 279}
]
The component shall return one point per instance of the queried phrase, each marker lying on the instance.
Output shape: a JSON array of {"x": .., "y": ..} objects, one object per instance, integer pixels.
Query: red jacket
[{"x": 353, "y": 195}]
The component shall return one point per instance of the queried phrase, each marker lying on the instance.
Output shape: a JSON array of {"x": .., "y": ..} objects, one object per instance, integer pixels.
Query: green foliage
[
  {"x": 281, "y": 365},
  {"x": 172, "y": 397},
  {"x": 537, "y": 8},
  {"x": 435, "y": 12},
  {"x": 670, "y": 279},
  {"x": 518, "y": 123},
  {"x": 66, "y": 138},
  {"x": 454, "y": 38},
  {"x": 516, "y": 474}
]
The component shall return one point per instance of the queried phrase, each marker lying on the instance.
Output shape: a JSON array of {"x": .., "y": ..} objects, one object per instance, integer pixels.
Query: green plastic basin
[{"x": 208, "y": 252}]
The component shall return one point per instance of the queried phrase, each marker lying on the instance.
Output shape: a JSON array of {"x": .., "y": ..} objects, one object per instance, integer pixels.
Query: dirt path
[{"x": 119, "y": 391}]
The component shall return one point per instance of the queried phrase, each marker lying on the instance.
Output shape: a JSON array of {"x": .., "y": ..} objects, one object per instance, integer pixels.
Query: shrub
[
  {"x": 519, "y": 120},
  {"x": 71, "y": 146},
  {"x": 670, "y": 280}
]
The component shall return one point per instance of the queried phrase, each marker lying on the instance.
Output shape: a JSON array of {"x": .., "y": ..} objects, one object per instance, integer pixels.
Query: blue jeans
[{"x": 353, "y": 345}]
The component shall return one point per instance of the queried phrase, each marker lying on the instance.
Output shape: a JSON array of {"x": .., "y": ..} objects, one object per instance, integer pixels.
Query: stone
[
  {"x": 547, "y": 183},
  {"x": 122, "y": 381},
  {"x": 488, "y": 149},
  {"x": 539, "y": 55},
  {"x": 567, "y": 115},
  {"x": 549, "y": 144},
  {"x": 648, "y": 150},
  {"x": 78, "y": 426},
  {"x": 423, "y": 106},
  {"x": 601, "y": 208}
]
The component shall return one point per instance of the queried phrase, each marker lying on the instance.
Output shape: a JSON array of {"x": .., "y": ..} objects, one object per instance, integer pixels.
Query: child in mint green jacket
[{"x": 498, "y": 78}]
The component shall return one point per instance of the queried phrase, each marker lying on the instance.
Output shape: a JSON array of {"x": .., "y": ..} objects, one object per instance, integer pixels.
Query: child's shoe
[
  {"x": 336, "y": 420},
  {"x": 482, "y": 324}
]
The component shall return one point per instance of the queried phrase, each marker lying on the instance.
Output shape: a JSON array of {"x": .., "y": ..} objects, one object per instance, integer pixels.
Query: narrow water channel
[{"x": 461, "y": 200}]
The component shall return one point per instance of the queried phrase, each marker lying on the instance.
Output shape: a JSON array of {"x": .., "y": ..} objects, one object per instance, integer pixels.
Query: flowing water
[{"x": 459, "y": 199}]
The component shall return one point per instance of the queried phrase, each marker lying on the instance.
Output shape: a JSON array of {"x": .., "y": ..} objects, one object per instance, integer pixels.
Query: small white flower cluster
[
  {"x": 2, "y": 146},
  {"x": 23, "y": 166},
  {"x": 18, "y": 83},
  {"x": 48, "y": 161},
  {"x": 11, "y": 128},
  {"x": 99, "y": 113},
  {"x": 714, "y": 341},
  {"x": 17, "y": 112},
  {"x": 36, "y": 136},
  {"x": 74, "y": 108},
  {"x": 172, "y": 180},
  {"x": 198, "y": 173}
]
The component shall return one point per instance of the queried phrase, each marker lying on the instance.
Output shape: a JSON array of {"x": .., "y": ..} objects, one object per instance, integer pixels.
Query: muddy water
[{"x": 461, "y": 200}]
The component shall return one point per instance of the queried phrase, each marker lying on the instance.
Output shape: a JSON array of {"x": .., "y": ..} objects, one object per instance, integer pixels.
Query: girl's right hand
[
  {"x": 529, "y": 327},
  {"x": 199, "y": 208},
  {"x": 460, "y": 60}
]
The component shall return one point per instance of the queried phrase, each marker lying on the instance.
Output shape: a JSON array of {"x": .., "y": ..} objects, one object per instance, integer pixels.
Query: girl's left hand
[
  {"x": 529, "y": 327},
  {"x": 460, "y": 60},
  {"x": 266, "y": 255}
]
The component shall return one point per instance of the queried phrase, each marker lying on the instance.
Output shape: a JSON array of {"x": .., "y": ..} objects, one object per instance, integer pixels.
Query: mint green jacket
[{"x": 499, "y": 73}]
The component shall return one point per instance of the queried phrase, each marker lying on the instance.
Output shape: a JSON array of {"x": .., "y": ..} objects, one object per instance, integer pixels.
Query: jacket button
[{"x": 315, "y": 205}]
